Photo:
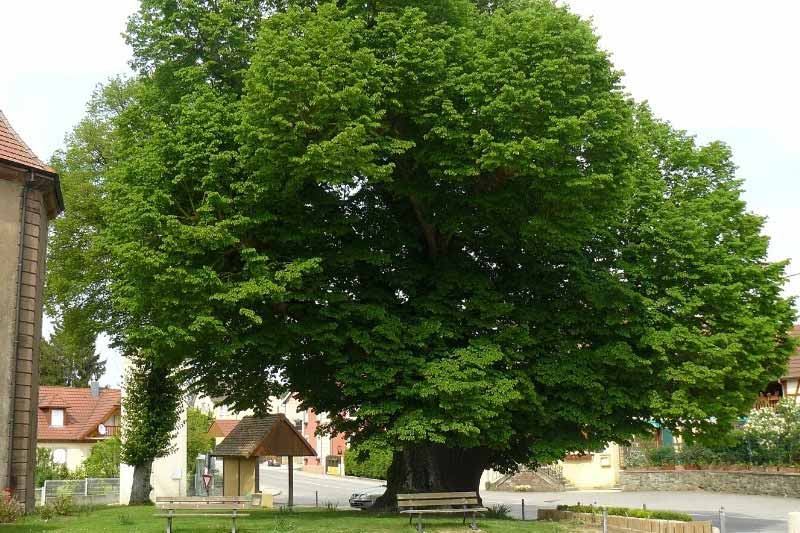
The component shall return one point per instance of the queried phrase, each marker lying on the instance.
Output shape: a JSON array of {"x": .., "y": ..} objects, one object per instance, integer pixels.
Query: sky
[{"x": 719, "y": 69}]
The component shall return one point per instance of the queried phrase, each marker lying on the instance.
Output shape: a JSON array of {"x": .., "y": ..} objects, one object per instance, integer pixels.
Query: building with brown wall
[{"x": 30, "y": 197}]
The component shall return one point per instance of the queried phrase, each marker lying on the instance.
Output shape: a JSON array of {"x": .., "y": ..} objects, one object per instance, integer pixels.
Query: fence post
[
  {"x": 44, "y": 492},
  {"x": 86, "y": 487},
  {"x": 722, "y": 526},
  {"x": 523, "y": 509},
  {"x": 316, "y": 498},
  {"x": 605, "y": 520}
]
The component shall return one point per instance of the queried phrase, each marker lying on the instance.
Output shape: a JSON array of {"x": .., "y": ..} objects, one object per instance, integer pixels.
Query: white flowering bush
[{"x": 774, "y": 434}]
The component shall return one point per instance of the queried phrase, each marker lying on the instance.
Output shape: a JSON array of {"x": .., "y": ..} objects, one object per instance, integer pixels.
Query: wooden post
[{"x": 291, "y": 481}]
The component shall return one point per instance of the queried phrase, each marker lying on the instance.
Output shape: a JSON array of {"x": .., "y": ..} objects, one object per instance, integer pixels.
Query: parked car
[{"x": 366, "y": 498}]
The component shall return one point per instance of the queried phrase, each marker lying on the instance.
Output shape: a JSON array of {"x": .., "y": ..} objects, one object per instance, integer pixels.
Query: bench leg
[
  {"x": 169, "y": 523},
  {"x": 474, "y": 525},
  {"x": 233, "y": 522},
  {"x": 419, "y": 523}
]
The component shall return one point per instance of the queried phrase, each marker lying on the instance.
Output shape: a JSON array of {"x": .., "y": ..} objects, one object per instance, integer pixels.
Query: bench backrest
[
  {"x": 438, "y": 499},
  {"x": 200, "y": 502}
]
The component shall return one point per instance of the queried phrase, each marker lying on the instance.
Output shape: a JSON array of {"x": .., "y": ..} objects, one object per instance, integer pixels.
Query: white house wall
[{"x": 77, "y": 452}]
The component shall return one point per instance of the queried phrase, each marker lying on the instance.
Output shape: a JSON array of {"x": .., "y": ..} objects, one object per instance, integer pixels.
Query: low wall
[
  {"x": 737, "y": 482},
  {"x": 624, "y": 524}
]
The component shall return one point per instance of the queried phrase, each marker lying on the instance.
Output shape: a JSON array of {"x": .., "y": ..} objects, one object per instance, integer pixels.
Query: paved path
[{"x": 745, "y": 514}]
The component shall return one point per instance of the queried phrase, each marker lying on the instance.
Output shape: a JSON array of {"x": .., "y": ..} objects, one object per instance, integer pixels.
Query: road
[{"x": 745, "y": 514}]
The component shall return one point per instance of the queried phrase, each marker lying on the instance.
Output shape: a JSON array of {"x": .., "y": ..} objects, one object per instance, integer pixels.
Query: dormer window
[{"x": 57, "y": 418}]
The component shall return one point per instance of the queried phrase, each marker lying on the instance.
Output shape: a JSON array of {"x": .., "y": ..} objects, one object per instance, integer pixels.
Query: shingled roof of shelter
[
  {"x": 14, "y": 150},
  {"x": 248, "y": 435}
]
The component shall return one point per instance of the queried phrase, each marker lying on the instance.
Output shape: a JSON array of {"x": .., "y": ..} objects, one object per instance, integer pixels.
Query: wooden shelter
[{"x": 255, "y": 437}]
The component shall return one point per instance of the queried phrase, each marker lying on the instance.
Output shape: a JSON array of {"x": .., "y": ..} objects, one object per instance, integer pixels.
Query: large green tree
[
  {"x": 445, "y": 219},
  {"x": 150, "y": 413}
]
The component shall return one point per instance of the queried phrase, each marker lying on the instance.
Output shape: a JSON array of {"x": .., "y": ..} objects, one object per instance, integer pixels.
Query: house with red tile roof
[
  {"x": 72, "y": 420},
  {"x": 221, "y": 429}
]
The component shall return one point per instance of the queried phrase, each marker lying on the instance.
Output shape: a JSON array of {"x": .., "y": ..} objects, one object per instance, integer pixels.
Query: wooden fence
[{"x": 624, "y": 524}]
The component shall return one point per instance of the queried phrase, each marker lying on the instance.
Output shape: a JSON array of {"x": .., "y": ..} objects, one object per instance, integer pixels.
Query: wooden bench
[
  {"x": 211, "y": 506},
  {"x": 440, "y": 503}
]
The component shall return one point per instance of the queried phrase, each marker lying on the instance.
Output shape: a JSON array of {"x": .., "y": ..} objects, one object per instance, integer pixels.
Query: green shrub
[
  {"x": 625, "y": 511},
  {"x": 368, "y": 462},
  {"x": 47, "y": 469},
  {"x": 696, "y": 454},
  {"x": 10, "y": 509},
  {"x": 62, "y": 504},
  {"x": 662, "y": 456},
  {"x": 46, "y": 512},
  {"x": 498, "y": 512},
  {"x": 103, "y": 460}
]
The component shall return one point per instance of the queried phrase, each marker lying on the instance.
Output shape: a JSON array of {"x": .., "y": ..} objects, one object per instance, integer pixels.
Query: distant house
[
  {"x": 72, "y": 420},
  {"x": 788, "y": 386},
  {"x": 221, "y": 429},
  {"x": 790, "y": 383}
]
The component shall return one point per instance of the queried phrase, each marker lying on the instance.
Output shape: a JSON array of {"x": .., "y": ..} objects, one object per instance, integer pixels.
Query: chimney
[{"x": 95, "y": 387}]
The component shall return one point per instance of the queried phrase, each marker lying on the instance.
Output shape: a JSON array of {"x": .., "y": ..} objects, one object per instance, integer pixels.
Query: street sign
[{"x": 207, "y": 480}]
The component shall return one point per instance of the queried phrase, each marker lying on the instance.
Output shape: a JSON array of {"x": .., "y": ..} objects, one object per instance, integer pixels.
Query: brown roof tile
[
  {"x": 794, "y": 361},
  {"x": 274, "y": 431},
  {"x": 14, "y": 150},
  {"x": 83, "y": 412}
]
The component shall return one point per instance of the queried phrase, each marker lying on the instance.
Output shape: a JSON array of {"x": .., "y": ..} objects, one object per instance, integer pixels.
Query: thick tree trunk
[
  {"x": 432, "y": 468},
  {"x": 140, "y": 488}
]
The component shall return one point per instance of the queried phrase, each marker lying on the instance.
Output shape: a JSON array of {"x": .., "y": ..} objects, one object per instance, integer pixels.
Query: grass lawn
[{"x": 141, "y": 519}]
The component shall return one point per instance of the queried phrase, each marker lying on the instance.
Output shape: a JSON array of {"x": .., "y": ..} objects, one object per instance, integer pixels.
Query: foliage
[
  {"x": 661, "y": 456},
  {"x": 104, "y": 459},
  {"x": 10, "y": 509},
  {"x": 197, "y": 439},
  {"x": 371, "y": 463},
  {"x": 696, "y": 454},
  {"x": 151, "y": 405},
  {"x": 69, "y": 358},
  {"x": 62, "y": 504},
  {"x": 498, "y": 511},
  {"x": 774, "y": 434},
  {"x": 125, "y": 519},
  {"x": 625, "y": 511},
  {"x": 451, "y": 223},
  {"x": 47, "y": 469}
]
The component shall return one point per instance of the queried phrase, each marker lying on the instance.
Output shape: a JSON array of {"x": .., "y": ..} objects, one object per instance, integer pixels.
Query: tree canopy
[
  {"x": 446, "y": 219},
  {"x": 69, "y": 359}
]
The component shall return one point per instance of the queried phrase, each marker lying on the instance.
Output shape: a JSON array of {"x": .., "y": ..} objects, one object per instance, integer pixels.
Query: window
[
  {"x": 57, "y": 418},
  {"x": 298, "y": 424},
  {"x": 60, "y": 456}
]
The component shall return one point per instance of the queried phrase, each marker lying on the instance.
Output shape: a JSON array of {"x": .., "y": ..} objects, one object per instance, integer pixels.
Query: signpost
[{"x": 207, "y": 481}]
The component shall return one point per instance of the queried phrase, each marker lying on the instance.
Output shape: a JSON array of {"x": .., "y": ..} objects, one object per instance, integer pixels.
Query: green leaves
[{"x": 449, "y": 222}]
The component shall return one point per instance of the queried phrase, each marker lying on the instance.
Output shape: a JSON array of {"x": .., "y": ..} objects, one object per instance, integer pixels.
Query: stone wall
[
  {"x": 743, "y": 482},
  {"x": 536, "y": 482}
]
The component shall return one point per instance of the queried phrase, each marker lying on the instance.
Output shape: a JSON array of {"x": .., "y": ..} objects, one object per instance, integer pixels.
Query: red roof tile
[
  {"x": 14, "y": 150},
  {"x": 83, "y": 414},
  {"x": 222, "y": 428}
]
